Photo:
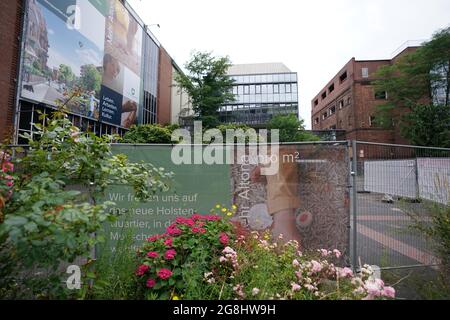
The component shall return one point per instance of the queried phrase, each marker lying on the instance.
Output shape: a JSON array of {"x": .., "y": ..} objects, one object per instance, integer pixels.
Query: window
[
  {"x": 365, "y": 72},
  {"x": 371, "y": 121},
  {"x": 316, "y": 121},
  {"x": 316, "y": 102},
  {"x": 246, "y": 90},
  {"x": 235, "y": 90},
  {"x": 294, "y": 88},
  {"x": 349, "y": 101},
  {"x": 324, "y": 115},
  {"x": 332, "y": 110},
  {"x": 331, "y": 88},
  {"x": 288, "y": 88},
  {"x": 258, "y": 89},
  {"x": 324, "y": 95},
  {"x": 241, "y": 90},
  {"x": 282, "y": 88},
  {"x": 276, "y": 88},
  {"x": 341, "y": 104},
  {"x": 381, "y": 95},
  {"x": 343, "y": 77},
  {"x": 252, "y": 89}
]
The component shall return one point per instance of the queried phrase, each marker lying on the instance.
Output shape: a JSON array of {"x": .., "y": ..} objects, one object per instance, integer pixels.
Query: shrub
[
  {"x": 172, "y": 264},
  {"x": 198, "y": 258},
  {"x": 45, "y": 222},
  {"x": 149, "y": 133}
]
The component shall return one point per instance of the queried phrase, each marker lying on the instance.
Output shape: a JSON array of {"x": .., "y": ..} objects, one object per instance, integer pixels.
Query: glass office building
[{"x": 261, "y": 92}]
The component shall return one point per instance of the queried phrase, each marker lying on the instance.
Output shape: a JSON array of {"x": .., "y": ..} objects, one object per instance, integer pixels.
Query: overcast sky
[{"x": 314, "y": 38}]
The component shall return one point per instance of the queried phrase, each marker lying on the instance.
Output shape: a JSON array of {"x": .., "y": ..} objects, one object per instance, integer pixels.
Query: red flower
[
  {"x": 195, "y": 230},
  {"x": 164, "y": 274},
  {"x": 142, "y": 269},
  {"x": 202, "y": 230},
  {"x": 224, "y": 239},
  {"x": 213, "y": 218},
  {"x": 185, "y": 221},
  {"x": 151, "y": 283},
  {"x": 170, "y": 254},
  {"x": 152, "y": 254},
  {"x": 168, "y": 242}
]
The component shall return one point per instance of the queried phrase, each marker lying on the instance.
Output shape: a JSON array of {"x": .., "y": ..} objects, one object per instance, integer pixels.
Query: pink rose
[
  {"x": 170, "y": 254},
  {"x": 152, "y": 238},
  {"x": 164, "y": 274},
  {"x": 152, "y": 254},
  {"x": 168, "y": 242},
  {"x": 174, "y": 231},
  {"x": 150, "y": 283},
  {"x": 142, "y": 269},
  {"x": 224, "y": 239},
  {"x": 388, "y": 292}
]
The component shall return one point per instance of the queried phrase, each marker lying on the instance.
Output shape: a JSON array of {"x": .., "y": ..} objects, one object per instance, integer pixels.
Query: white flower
[{"x": 255, "y": 291}]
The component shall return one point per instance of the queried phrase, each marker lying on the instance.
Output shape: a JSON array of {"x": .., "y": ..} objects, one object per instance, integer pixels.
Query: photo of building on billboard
[{"x": 94, "y": 45}]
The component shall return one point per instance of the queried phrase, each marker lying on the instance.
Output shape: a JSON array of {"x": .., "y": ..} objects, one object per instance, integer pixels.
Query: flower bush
[
  {"x": 170, "y": 261},
  {"x": 236, "y": 265}
]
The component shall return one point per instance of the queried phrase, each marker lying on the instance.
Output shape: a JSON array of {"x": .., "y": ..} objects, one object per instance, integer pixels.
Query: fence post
[{"x": 354, "y": 173}]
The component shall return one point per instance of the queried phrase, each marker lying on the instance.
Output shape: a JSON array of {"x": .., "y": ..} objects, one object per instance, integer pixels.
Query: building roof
[{"x": 258, "y": 68}]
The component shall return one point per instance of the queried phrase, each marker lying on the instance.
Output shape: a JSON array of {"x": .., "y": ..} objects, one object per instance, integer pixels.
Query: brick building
[
  {"x": 349, "y": 102},
  {"x": 28, "y": 75},
  {"x": 11, "y": 13}
]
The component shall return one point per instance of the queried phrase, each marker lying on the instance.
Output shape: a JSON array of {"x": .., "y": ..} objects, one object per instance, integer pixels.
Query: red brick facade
[
  {"x": 349, "y": 103},
  {"x": 10, "y": 29},
  {"x": 164, "y": 87}
]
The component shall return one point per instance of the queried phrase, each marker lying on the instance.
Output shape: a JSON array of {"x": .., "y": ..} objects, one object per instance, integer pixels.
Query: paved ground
[{"x": 385, "y": 237}]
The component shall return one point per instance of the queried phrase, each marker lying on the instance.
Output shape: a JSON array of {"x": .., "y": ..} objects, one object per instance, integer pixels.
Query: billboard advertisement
[{"x": 93, "y": 45}]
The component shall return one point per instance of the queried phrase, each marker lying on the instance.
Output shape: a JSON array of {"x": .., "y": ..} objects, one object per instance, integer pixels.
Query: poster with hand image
[{"x": 122, "y": 64}]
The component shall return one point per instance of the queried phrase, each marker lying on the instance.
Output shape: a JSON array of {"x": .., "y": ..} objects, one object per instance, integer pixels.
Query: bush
[
  {"x": 149, "y": 133},
  {"x": 291, "y": 129},
  {"x": 45, "y": 223},
  {"x": 198, "y": 258}
]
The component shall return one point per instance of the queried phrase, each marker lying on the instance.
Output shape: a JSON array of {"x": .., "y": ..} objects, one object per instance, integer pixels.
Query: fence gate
[{"x": 393, "y": 187}]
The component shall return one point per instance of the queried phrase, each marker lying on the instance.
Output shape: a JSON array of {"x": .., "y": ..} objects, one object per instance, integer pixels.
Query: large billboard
[{"x": 94, "y": 45}]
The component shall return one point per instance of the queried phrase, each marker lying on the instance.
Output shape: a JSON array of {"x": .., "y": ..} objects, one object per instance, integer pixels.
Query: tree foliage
[
  {"x": 207, "y": 84},
  {"x": 418, "y": 87}
]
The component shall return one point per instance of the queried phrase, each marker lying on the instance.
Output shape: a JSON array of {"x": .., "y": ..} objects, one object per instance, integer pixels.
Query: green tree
[
  {"x": 418, "y": 79},
  {"x": 149, "y": 133},
  {"x": 291, "y": 128},
  {"x": 207, "y": 84},
  {"x": 427, "y": 125},
  {"x": 91, "y": 79},
  {"x": 65, "y": 74}
]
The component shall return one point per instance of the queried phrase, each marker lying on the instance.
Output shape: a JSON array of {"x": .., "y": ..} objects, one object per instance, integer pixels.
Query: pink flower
[
  {"x": 388, "y": 292},
  {"x": 174, "y": 231},
  {"x": 195, "y": 230},
  {"x": 7, "y": 167},
  {"x": 142, "y": 269},
  {"x": 150, "y": 283},
  {"x": 295, "y": 286},
  {"x": 316, "y": 266},
  {"x": 168, "y": 242},
  {"x": 295, "y": 263},
  {"x": 170, "y": 254},
  {"x": 9, "y": 183},
  {"x": 224, "y": 239},
  {"x": 345, "y": 272},
  {"x": 255, "y": 291},
  {"x": 164, "y": 274},
  {"x": 152, "y": 254},
  {"x": 185, "y": 221},
  {"x": 152, "y": 238},
  {"x": 212, "y": 218},
  {"x": 337, "y": 253},
  {"x": 202, "y": 230},
  {"x": 196, "y": 217},
  {"x": 324, "y": 252},
  {"x": 222, "y": 259}
]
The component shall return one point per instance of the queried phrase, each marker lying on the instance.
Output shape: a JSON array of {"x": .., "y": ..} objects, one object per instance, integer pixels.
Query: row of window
[
  {"x": 257, "y": 115},
  {"x": 265, "y": 78},
  {"x": 332, "y": 109},
  {"x": 266, "y": 89},
  {"x": 267, "y": 98},
  {"x": 258, "y": 107}
]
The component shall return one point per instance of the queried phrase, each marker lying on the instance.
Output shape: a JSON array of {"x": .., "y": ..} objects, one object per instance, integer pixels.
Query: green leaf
[{"x": 15, "y": 220}]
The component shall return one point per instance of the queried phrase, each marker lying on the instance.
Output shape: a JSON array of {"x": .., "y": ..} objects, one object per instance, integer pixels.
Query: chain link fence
[{"x": 396, "y": 188}]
